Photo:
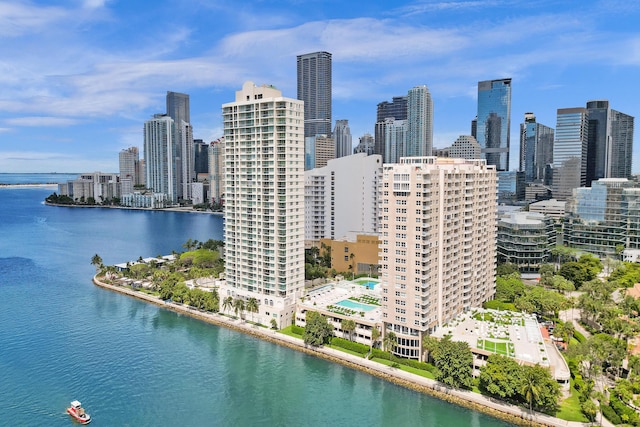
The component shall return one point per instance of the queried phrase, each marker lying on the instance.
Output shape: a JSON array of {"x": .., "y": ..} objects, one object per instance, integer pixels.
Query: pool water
[
  {"x": 355, "y": 305},
  {"x": 368, "y": 285}
]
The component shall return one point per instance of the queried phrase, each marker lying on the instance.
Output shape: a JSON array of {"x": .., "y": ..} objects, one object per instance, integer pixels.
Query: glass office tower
[
  {"x": 314, "y": 88},
  {"x": 570, "y": 152},
  {"x": 536, "y": 149},
  {"x": 494, "y": 121}
]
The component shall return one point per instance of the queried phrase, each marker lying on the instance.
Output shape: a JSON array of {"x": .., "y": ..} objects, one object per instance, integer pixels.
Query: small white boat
[{"x": 76, "y": 411}]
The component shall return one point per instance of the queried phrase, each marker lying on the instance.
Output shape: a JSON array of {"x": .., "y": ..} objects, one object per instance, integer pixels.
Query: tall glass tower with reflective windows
[
  {"x": 419, "y": 122},
  {"x": 570, "y": 151},
  {"x": 536, "y": 149},
  {"x": 314, "y": 88},
  {"x": 397, "y": 110},
  {"x": 610, "y": 142},
  {"x": 494, "y": 121}
]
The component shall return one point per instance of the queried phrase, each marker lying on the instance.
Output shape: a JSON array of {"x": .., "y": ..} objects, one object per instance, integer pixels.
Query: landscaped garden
[
  {"x": 505, "y": 348},
  {"x": 344, "y": 310},
  {"x": 366, "y": 299}
]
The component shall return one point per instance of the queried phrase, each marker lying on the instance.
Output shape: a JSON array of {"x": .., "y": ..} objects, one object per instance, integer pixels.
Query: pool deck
[{"x": 332, "y": 294}]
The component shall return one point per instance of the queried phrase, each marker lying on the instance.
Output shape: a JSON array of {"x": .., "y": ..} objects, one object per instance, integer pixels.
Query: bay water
[{"x": 135, "y": 364}]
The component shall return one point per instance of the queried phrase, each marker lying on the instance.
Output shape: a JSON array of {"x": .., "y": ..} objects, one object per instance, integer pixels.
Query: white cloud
[
  {"x": 422, "y": 7},
  {"x": 93, "y": 81},
  {"x": 26, "y": 161},
  {"x": 94, "y": 4},
  {"x": 17, "y": 19},
  {"x": 40, "y": 121}
]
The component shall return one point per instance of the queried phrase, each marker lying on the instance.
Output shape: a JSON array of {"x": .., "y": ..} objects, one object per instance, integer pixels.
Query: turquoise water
[
  {"x": 36, "y": 178},
  {"x": 368, "y": 285},
  {"x": 355, "y": 305},
  {"x": 135, "y": 364}
]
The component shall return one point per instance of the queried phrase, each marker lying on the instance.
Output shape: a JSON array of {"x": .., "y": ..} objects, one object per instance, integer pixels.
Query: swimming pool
[
  {"x": 355, "y": 305},
  {"x": 368, "y": 285}
]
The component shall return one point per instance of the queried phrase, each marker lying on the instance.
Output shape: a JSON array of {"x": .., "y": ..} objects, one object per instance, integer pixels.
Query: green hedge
[
  {"x": 402, "y": 361},
  {"x": 610, "y": 414},
  {"x": 298, "y": 330},
  {"x": 499, "y": 305},
  {"x": 350, "y": 345},
  {"x": 622, "y": 409},
  {"x": 577, "y": 335}
]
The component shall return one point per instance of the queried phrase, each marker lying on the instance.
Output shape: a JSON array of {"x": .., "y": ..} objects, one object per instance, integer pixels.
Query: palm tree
[
  {"x": 429, "y": 344},
  {"x": 238, "y": 306},
  {"x": 375, "y": 336},
  {"x": 227, "y": 303},
  {"x": 390, "y": 342},
  {"x": 352, "y": 266},
  {"x": 189, "y": 245},
  {"x": 529, "y": 388},
  {"x": 96, "y": 261},
  {"x": 348, "y": 326},
  {"x": 252, "y": 306}
]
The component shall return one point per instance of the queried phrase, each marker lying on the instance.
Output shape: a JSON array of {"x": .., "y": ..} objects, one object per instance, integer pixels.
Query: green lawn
[
  {"x": 287, "y": 331},
  {"x": 406, "y": 368},
  {"x": 569, "y": 409},
  {"x": 501, "y": 347},
  {"x": 344, "y": 350}
]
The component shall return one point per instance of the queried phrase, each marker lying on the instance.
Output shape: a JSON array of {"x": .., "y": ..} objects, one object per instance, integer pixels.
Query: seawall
[{"x": 496, "y": 408}]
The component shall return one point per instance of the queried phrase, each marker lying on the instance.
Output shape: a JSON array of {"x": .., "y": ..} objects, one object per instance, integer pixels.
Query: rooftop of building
[
  {"x": 549, "y": 203},
  {"x": 511, "y": 334},
  {"x": 522, "y": 218}
]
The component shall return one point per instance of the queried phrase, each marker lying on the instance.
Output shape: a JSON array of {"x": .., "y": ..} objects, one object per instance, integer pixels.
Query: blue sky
[{"x": 78, "y": 78}]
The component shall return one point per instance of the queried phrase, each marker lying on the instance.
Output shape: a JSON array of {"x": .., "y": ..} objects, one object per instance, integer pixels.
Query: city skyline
[{"x": 89, "y": 82}]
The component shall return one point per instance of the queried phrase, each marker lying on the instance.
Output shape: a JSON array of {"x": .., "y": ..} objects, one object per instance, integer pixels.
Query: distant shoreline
[
  {"x": 184, "y": 210},
  {"x": 51, "y": 184}
]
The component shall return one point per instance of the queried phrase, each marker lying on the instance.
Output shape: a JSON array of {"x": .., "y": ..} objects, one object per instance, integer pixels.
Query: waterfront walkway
[{"x": 469, "y": 399}]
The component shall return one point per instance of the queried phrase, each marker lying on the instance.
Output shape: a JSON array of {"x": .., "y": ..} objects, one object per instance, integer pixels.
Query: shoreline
[
  {"x": 131, "y": 208},
  {"x": 468, "y": 399},
  {"x": 52, "y": 185}
]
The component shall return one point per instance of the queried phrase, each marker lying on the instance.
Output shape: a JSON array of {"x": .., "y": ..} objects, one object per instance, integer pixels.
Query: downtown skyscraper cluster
[{"x": 168, "y": 150}]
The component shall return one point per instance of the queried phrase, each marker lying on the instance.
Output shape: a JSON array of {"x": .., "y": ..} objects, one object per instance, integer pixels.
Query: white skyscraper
[
  {"x": 216, "y": 170},
  {"x": 438, "y": 244},
  {"x": 159, "y": 155},
  {"x": 395, "y": 140},
  {"x": 342, "y": 137},
  {"x": 342, "y": 197},
  {"x": 419, "y": 122},
  {"x": 128, "y": 162},
  {"x": 264, "y": 200}
]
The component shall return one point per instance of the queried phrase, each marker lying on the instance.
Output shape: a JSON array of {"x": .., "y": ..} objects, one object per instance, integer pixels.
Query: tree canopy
[
  {"x": 453, "y": 360},
  {"x": 317, "y": 330},
  {"x": 532, "y": 386}
]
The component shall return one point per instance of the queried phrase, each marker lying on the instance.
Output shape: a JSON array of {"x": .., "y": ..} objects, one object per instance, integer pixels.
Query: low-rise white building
[
  {"x": 145, "y": 200},
  {"x": 357, "y": 300},
  {"x": 553, "y": 208},
  {"x": 510, "y": 334}
]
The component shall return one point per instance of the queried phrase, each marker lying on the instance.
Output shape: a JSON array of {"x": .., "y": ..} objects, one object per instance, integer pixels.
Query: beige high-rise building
[
  {"x": 325, "y": 150},
  {"x": 264, "y": 201},
  {"x": 465, "y": 147},
  {"x": 438, "y": 244},
  {"x": 216, "y": 171}
]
